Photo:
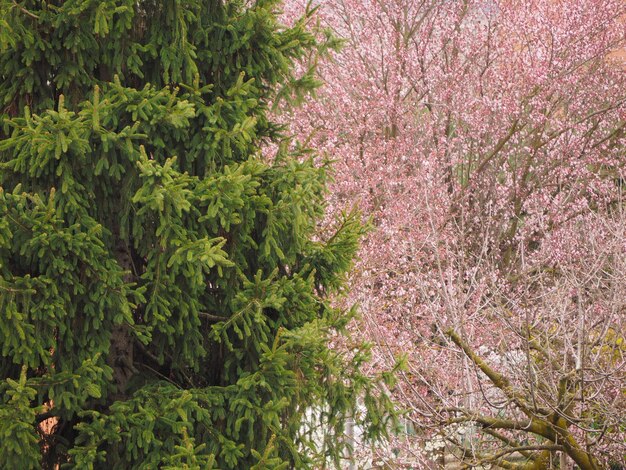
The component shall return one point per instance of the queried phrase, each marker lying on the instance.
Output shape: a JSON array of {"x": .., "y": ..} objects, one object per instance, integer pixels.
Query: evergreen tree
[{"x": 164, "y": 285}]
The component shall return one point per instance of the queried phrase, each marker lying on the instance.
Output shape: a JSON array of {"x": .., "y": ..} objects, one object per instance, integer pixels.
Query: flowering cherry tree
[{"x": 486, "y": 141}]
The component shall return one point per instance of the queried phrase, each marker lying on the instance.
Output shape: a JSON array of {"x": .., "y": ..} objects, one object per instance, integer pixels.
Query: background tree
[
  {"x": 164, "y": 283},
  {"x": 486, "y": 139}
]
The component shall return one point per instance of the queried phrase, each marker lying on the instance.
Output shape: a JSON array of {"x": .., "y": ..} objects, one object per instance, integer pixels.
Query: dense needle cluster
[{"x": 163, "y": 284}]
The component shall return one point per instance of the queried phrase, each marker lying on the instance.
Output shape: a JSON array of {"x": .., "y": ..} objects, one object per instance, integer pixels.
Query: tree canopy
[
  {"x": 164, "y": 282},
  {"x": 486, "y": 139}
]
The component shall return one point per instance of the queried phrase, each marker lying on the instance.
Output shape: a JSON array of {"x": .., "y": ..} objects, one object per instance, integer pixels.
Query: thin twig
[{"x": 25, "y": 11}]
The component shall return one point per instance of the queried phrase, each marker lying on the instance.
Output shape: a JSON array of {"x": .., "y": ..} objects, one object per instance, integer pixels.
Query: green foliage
[{"x": 163, "y": 285}]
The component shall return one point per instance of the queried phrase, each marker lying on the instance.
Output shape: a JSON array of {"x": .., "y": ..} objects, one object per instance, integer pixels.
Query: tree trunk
[{"x": 121, "y": 350}]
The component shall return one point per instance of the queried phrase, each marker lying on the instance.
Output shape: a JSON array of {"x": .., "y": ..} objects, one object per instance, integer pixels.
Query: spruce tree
[{"x": 165, "y": 286}]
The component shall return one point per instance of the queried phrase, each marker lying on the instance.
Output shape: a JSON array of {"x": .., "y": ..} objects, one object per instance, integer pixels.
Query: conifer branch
[{"x": 25, "y": 11}]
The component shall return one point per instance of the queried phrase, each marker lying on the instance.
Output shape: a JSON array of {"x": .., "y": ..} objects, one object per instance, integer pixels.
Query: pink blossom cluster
[{"x": 485, "y": 139}]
